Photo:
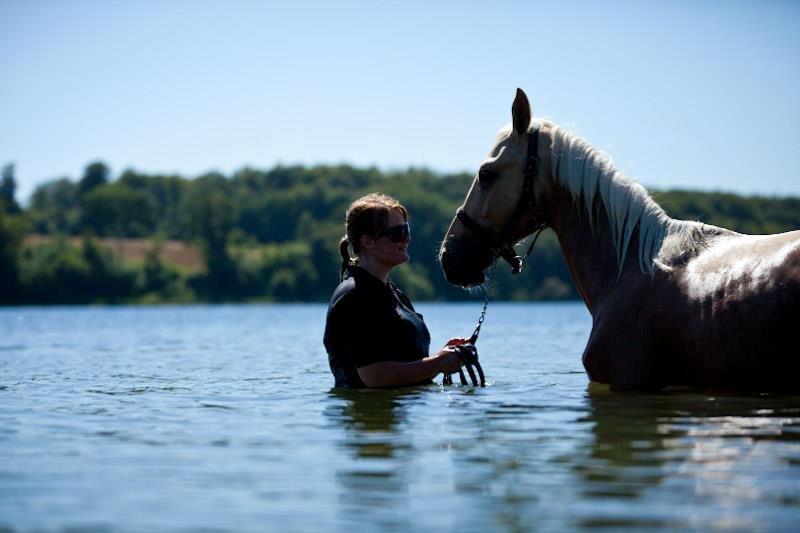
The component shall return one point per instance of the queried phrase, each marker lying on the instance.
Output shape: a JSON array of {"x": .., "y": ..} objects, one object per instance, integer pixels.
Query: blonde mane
[{"x": 592, "y": 180}]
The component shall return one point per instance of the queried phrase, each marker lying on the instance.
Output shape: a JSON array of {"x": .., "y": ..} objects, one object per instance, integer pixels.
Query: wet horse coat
[{"x": 673, "y": 302}]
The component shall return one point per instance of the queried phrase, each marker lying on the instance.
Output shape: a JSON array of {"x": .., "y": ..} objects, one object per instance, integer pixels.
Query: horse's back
[
  {"x": 742, "y": 295},
  {"x": 724, "y": 318},
  {"x": 744, "y": 268}
]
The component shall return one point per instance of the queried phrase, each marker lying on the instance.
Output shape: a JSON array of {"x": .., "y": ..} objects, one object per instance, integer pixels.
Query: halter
[{"x": 527, "y": 202}]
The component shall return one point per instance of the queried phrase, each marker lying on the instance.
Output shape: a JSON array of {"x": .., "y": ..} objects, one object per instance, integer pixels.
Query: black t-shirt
[{"x": 371, "y": 322}]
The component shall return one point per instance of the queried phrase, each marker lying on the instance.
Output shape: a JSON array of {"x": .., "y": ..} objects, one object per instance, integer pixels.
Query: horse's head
[{"x": 501, "y": 207}]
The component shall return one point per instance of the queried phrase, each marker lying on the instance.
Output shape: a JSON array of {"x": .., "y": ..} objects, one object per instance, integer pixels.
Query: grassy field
[{"x": 178, "y": 253}]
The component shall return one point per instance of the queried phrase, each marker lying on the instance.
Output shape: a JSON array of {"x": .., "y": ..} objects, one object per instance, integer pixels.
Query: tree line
[{"x": 270, "y": 235}]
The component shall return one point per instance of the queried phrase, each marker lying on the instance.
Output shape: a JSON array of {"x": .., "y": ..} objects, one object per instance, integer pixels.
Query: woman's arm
[{"x": 399, "y": 374}]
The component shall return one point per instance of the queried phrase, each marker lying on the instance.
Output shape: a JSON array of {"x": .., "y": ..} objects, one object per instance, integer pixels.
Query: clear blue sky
[{"x": 701, "y": 95}]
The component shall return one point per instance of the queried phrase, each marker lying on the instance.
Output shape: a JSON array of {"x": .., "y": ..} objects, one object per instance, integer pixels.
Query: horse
[{"x": 674, "y": 303}]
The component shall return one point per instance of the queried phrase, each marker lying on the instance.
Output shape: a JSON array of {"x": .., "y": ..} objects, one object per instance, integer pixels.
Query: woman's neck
[{"x": 375, "y": 268}]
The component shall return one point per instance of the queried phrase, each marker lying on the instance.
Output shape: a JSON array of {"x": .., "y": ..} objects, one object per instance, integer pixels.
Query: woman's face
[{"x": 391, "y": 253}]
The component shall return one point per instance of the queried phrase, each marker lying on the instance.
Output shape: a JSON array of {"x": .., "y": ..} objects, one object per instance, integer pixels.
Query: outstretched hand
[{"x": 468, "y": 355}]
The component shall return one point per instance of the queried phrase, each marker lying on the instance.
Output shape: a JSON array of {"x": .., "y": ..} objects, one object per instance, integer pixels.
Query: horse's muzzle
[{"x": 463, "y": 265}]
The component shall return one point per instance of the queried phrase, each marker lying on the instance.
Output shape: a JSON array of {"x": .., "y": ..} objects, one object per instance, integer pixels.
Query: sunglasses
[{"x": 397, "y": 233}]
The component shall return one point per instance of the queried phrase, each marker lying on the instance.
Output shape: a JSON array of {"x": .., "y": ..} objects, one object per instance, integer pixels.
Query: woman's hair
[{"x": 368, "y": 215}]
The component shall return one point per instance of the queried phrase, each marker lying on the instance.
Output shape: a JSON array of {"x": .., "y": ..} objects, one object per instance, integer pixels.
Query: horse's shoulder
[
  {"x": 624, "y": 316},
  {"x": 619, "y": 352}
]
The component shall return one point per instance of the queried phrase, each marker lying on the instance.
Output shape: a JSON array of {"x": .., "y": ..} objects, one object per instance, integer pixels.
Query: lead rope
[
  {"x": 488, "y": 288},
  {"x": 486, "y": 293},
  {"x": 448, "y": 378}
]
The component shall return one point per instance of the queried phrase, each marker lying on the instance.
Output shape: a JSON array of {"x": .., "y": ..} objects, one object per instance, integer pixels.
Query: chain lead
[
  {"x": 448, "y": 379},
  {"x": 487, "y": 292}
]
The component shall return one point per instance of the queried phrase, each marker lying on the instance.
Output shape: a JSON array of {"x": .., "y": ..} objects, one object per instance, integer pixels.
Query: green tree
[
  {"x": 284, "y": 272},
  {"x": 94, "y": 175},
  {"x": 54, "y": 207},
  {"x": 109, "y": 281},
  {"x": 118, "y": 210},
  {"x": 167, "y": 193},
  {"x": 156, "y": 277},
  {"x": 212, "y": 215},
  {"x": 8, "y": 188},
  {"x": 11, "y": 232},
  {"x": 58, "y": 272},
  {"x": 55, "y": 272}
]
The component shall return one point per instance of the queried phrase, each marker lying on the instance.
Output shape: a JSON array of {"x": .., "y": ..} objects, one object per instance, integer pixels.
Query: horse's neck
[{"x": 588, "y": 250}]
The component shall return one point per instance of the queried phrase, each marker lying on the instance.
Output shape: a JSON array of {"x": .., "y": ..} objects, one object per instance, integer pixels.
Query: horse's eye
[{"x": 485, "y": 176}]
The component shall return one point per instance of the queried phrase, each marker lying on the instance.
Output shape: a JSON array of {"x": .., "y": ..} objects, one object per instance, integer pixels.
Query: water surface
[{"x": 222, "y": 418}]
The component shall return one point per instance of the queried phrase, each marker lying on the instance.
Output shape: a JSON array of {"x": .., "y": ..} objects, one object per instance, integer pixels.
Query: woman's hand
[
  {"x": 457, "y": 341},
  {"x": 447, "y": 360},
  {"x": 467, "y": 355}
]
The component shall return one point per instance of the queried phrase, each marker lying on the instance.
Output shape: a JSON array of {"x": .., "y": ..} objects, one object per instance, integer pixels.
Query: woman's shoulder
[
  {"x": 345, "y": 291},
  {"x": 359, "y": 289}
]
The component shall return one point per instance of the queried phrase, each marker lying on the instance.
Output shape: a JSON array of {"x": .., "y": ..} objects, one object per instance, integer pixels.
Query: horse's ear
[{"x": 521, "y": 112}]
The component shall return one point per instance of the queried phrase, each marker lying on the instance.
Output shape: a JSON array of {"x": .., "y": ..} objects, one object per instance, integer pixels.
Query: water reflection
[
  {"x": 373, "y": 479},
  {"x": 370, "y": 418},
  {"x": 725, "y": 452}
]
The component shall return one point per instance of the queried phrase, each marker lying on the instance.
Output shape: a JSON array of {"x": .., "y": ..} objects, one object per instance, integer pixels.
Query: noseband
[{"x": 527, "y": 202}]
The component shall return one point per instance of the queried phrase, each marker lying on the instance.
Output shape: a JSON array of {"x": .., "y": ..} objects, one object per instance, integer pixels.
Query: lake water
[{"x": 222, "y": 418}]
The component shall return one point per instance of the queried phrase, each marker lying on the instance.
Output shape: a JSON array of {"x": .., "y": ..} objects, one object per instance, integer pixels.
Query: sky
[{"x": 698, "y": 95}]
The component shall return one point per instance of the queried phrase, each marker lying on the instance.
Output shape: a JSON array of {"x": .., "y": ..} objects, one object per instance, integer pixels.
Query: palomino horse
[{"x": 673, "y": 302}]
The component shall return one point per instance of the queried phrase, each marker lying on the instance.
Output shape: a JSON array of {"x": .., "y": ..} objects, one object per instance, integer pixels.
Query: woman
[{"x": 373, "y": 336}]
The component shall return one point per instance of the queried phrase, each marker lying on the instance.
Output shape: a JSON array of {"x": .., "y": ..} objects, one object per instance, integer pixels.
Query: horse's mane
[{"x": 593, "y": 181}]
